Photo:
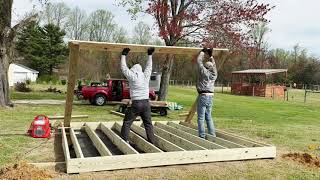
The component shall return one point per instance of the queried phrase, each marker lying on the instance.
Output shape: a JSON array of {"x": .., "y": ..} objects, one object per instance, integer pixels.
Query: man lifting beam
[
  {"x": 139, "y": 92},
  {"x": 205, "y": 86}
]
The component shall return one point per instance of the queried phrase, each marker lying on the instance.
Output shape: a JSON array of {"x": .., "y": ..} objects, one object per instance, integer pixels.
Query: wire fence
[{"x": 301, "y": 93}]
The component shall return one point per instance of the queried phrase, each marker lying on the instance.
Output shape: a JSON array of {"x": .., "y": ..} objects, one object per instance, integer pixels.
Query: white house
[{"x": 21, "y": 73}]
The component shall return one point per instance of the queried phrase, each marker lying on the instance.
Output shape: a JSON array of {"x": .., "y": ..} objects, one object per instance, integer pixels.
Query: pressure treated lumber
[
  {"x": 118, "y": 141},
  {"x": 97, "y": 142},
  {"x": 181, "y": 142},
  {"x": 159, "y": 141},
  {"x": 169, "y": 158},
  {"x": 65, "y": 145},
  {"x": 209, "y": 137},
  {"x": 192, "y": 111},
  {"x": 73, "y": 117},
  {"x": 118, "y": 47},
  {"x": 229, "y": 137},
  {"x": 73, "y": 69},
  {"x": 192, "y": 138},
  {"x": 121, "y": 114},
  {"x": 76, "y": 145},
  {"x": 140, "y": 142}
]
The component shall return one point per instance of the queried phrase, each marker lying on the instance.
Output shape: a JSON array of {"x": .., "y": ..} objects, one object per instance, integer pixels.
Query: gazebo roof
[{"x": 260, "y": 71}]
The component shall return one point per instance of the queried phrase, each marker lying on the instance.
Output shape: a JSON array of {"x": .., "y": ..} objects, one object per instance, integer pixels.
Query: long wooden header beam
[{"x": 118, "y": 47}]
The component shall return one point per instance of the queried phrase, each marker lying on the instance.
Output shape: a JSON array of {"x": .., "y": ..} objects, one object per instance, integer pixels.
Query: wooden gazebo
[{"x": 253, "y": 82}]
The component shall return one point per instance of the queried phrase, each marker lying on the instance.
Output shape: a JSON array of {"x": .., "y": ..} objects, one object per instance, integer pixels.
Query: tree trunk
[
  {"x": 6, "y": 39},
  {"x": 165, "y": 78}
]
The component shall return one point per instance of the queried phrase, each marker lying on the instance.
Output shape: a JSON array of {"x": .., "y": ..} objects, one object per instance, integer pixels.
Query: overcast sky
[{"x": 292, "y": 21}]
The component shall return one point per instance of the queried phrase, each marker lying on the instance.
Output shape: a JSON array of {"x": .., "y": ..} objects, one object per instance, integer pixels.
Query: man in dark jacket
[
  {"x": 205, "y": 87},
  {"x": 139, "y": 93}
]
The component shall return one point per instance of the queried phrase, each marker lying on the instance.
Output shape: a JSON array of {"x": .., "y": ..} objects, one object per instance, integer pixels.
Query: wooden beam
[
  {"x": 118, "y": 141},
  {"x": 73, "y": 117},
  {"x": 192, "y": 138},
  {"x": 192, "y": 111},
  {"x": 181, "y": 142},
  {"x": 159, "y": 141},
  {"x": 141, "y": 143},
  {"x": 209, "y": 137},
  {"x": 65, "y": 145},
  {"x": 97, "y": 142},
  {"x": 76, "y": 145},
  {"x": 73, "y": 70},
  {"x": 121, "y": 114},
  {"x": 169, "y": 158},
  {"x": 229, "y": 137},
  {"x": 118, "y": 47}
]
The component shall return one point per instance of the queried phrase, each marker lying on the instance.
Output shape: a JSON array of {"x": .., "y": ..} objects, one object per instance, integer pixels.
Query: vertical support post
[
  {"x": 73, "y": 69},
  {"x": 192, "y": 111},
  {"x": 305, "y": 94},
  {"x": 288, "y": 94}
]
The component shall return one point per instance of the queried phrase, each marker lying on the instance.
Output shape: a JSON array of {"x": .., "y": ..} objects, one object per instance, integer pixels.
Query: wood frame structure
[
  {"x": 176, "y": 143},
  {"x": 74, "y": 55}
]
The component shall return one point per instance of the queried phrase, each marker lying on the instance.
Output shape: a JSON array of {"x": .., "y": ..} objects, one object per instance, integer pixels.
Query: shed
[
  {"x": 253, "y": 82},
  {"x": 21, "y": 73}
]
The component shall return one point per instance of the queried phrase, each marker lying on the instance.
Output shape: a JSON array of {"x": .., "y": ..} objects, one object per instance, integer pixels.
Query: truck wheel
[
  {"x": 100, "y": 99},
  {"x": 163, "y": 112}
]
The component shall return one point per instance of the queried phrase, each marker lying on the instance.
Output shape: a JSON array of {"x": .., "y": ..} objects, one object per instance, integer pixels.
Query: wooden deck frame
[
  {"x": 154, "y": 155},
  {"x": 74, "y": 54}
]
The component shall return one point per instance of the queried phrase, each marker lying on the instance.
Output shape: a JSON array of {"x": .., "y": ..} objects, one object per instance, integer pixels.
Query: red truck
[{"x": 112, "y": 90}]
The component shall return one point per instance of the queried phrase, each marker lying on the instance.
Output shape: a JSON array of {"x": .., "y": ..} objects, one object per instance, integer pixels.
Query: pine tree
[{"x": 42, "y": 47}]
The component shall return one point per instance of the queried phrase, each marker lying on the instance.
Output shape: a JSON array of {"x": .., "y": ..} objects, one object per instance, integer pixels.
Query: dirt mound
[
  {"x": 303, "y": 158},
  {"x": 25, "y": 171}
]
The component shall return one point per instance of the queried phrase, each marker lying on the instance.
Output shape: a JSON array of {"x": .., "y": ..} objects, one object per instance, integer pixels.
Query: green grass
[{"x": 291, "y": 126}]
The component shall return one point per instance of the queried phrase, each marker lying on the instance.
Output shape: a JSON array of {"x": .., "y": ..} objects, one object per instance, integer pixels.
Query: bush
[
  {"x": 63, "y": 82},
  {"x": 22, "y": 87},
  {"x": 28, "y": 81}
]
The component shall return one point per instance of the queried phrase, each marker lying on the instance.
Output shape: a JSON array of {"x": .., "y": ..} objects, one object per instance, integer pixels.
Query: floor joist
[{"x": 175, "y": 144}]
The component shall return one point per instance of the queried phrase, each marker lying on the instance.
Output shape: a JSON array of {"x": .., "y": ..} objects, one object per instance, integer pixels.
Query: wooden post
[
  {"x": 192, "y": 111},
  {"x": 73, "y": 69},
  {"x": 288, "y": 94},
  {"x": 305, "y": 94}
]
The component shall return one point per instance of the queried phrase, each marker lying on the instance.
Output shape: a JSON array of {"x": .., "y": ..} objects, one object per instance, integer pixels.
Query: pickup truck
[{"x": 113, "y": 90}]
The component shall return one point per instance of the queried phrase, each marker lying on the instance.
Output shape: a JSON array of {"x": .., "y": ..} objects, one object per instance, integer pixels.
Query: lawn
[{"x": 291, "y": 126}]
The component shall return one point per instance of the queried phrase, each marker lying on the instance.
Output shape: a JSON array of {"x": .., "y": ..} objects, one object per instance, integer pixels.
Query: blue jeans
[{"x": 204, "y": 113}]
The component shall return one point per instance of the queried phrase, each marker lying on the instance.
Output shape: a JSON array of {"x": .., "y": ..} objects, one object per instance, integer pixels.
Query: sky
[{"x": 292, "y": 21}]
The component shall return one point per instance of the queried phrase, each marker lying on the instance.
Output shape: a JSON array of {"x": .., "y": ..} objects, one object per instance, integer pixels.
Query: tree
[
  {"x": 56, "y": 13},
  {"x": 76, "y": 24},
  {"x": 180, "y": 19},
  {"x": 120, "y": 35},
  {"x": 7, "y": 36},
  {"x": 141, "y": 33},
  {"x": 101, "y": 26},
  {"x": 42, "y": 47}
]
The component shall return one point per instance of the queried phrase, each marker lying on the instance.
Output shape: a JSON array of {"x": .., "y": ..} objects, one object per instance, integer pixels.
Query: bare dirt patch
[
  {"x": 303, "y": 158},
  {"x": 25, "y": 171}
]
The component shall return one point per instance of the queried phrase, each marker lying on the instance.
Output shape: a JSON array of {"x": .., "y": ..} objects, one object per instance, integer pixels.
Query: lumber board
[
  {"x": 168, "y": 158},
  {"x": 97, "y": 142},
  {"x": 118, "y": 141},
  {"x": 181, "y": 142},
  {"x": 65, "y": 145},
  {"x": 118, "y": 47},
  {"x": 192, "y": 111},
  {"x": 72, "y": 117},
  {"x": 190, "y": 137},
  {"x": 159, "y": 141},
  {"x": 141, "y": 143},
  {"x": 229, "y": 137},
  {"x": 209, "y": 137},
  {"x": 73, "y": 69},
  {"x": 121, "y": 114},
  {"x": 76, "y": 145}
]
